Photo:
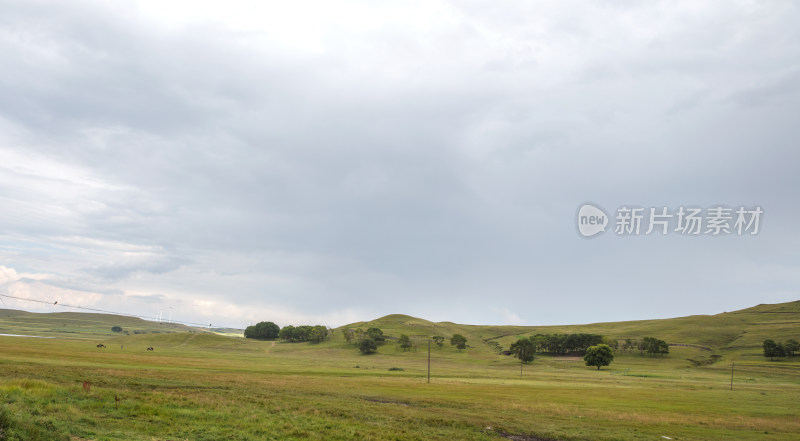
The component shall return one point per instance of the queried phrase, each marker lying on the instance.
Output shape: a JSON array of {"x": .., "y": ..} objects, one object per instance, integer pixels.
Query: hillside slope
[
  {"x": 79, "y": 325},
  {"x": 744, "y": 329}
]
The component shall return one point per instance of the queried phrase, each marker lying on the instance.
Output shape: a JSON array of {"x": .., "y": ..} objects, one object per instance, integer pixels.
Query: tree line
[
  {"x": 564, "y": 343},
  {"x": 368, "y": 341},
  {"x": 597, "y": 350},
  {"x": 289, "y": 333},
  {"x": 774, "y": 349},
  {"x": 650, "y": 345},
  {"x": 595, "y": 355},
  {"x": 304, "y": 333}
]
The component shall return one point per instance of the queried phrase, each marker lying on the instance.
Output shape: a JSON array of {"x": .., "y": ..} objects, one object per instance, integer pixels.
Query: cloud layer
[{"x": 320, "y": 162}]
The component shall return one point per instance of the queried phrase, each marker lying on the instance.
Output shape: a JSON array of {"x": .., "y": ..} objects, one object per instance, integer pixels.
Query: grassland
[{"x": 201, "y": 386}]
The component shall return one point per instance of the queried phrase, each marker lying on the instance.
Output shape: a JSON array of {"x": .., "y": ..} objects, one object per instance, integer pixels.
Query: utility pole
[{"x": 429, "y": 360}]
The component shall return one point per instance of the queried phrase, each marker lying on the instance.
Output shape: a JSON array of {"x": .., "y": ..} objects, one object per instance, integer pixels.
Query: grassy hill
[
  {"x": 726, "y": 333},
  {"x": 79, "y": 325}
]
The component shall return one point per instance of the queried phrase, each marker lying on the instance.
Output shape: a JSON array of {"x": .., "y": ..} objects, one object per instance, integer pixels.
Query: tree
[
  {"x": 262, "y": 331},
  {"x": 349, "y": 335},
  {"x": 439, "y": 340},
  {"x": 267, "y": 330},
  {"x": 116, "y": 329},
  {"x": 317, "y": 334},
  {"x": 627, "y": 345},
  {"x": 769, "y": 348},
  {"x": 523, "y": 349},
  {"x": 791, "y": 347},
  {"x": 287, "y": 333},
  {"x": 404, "y": 342},
  {"x": 600, "y": 355},
  {"x": 780, "y": 350},
  {"x": 376, "y": 334},
  {"x": 655, "y": 346},
  {"x": 367, "y": 346},
  {"x": 458, "y": 341}
]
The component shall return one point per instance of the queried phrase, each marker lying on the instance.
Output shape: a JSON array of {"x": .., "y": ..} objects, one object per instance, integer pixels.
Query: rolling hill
[{"x": 725, "y": 333}]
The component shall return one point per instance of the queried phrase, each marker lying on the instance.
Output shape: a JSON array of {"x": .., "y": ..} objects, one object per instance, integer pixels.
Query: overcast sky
[{"x": 330, "y": 162}]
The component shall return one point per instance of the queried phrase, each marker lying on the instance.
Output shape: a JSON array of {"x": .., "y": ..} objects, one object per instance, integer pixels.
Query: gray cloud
[{"x": 407, "y": 163}]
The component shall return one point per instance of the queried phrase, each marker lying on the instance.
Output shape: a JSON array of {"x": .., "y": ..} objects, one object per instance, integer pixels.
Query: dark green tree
[
  {"x": 405, "y": 342},
  {"x": 780, "y": 350},
  {"x": 367, "y": 346},
  {"x": 791, "y": 347},
  {"x": 287, "y": 333},
  {"x": 376, "y": 334},
  {"x": 439, "y": 340},
  {"x": 116, "y": 329},
  {"x": 262, "y": 331},
  {"x": 523, "y": 349},
  {"x": 317, "y": 334},
  {"x": 769, "y": 348},
  {"x": 654, "y": 346},
  {"x": 599, "y": 355},
  {"x": 459, "y": 341}
]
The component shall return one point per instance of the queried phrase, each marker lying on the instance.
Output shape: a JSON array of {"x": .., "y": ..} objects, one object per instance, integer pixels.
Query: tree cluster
[
  {"x": 303, "y": 333},
  {"x": 366, "y": 341},
  {"x": 778, "y": 350},
  {"x": 565, "y": 343},
  {"x": 654, "y": 346},
  {"x": 262, "y": 331}
]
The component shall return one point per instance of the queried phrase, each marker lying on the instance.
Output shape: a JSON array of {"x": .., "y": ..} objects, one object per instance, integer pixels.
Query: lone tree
[
  {"x": 262, "y": 331},
  {"x": 116, "y": 329},
  {"x": 367, "y": 346},
  {"x": 600, "y": 355},
  {"x": 459, "y": 341},
  {"x": 523, "y": 349},
  {"x": 404, "y": 342},
  {"x": 439, "y": 340}
]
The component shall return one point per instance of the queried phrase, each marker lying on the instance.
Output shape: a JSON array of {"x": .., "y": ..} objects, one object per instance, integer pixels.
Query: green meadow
[{"x": 196, "y": 385}]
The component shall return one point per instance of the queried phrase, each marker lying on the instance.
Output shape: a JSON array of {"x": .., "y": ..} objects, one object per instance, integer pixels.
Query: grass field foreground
[{"x": 200, "y": 386}]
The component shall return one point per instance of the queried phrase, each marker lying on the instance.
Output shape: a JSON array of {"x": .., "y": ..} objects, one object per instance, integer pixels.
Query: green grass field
[{"x": 201, "y": 386}]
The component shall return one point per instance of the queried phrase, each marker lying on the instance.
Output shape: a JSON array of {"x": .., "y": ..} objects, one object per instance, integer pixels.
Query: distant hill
[
  {"x": 724, "y": 333},
  {"x": 747, "y": 328},
  {"x": 79, "y": 325}
]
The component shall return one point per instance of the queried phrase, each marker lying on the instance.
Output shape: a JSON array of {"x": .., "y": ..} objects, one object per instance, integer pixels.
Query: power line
[{"x": 143, "y": 317}]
